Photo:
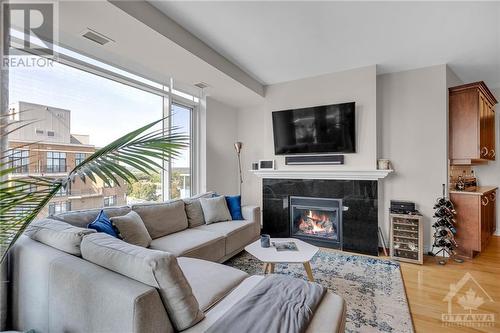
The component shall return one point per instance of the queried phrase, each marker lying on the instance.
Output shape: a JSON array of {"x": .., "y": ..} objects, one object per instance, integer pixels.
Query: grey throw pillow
[
  {"x": 162, "y": 218},
  {"x": 215, "y": 209},
  {"x": 132, "y": 229},
  {"x": 58, "y": 234},
  {"x": 194, "y": 211},
  {"x": 155, "y": 268}
]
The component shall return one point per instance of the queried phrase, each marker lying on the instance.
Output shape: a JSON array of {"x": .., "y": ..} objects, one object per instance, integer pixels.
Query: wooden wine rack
[{"x": 407, "y": 240}]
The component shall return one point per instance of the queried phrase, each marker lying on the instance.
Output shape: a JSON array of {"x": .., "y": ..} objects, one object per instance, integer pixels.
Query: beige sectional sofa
[
  {"x": 109, "y": 290},
  {"x": 215, "y": 242}
]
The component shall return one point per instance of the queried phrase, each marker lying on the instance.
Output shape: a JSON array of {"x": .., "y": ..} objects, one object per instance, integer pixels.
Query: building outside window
[
  {"x": 68, "y": 100},
  {"x": 110, "y": 201},
  {"x": 56, "y": 161},
  {"x": 59, "y": 207},
  {"x": 79, "y": 158},
  {"x": 19, "y": 159}
]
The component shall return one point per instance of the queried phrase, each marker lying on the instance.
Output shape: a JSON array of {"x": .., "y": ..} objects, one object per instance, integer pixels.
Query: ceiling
[
  {"x": 282, "y": 41},
  {"x": 141, "y": 50}
]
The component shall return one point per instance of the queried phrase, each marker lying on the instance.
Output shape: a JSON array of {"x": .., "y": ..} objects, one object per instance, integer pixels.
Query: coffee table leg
[
  {"x": 271, "y": 268},
  {"x": 309, "y": 272},
  {"x": 266, "y": 267}
]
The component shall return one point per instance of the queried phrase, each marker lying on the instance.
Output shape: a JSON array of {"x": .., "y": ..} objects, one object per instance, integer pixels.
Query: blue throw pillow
[
  {"x": 234, "y": 205},
  {"x": 103, "y": 224}
]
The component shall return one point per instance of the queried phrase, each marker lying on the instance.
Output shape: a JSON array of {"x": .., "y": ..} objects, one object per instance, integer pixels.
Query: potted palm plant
[{"x": 142, "y": 149}]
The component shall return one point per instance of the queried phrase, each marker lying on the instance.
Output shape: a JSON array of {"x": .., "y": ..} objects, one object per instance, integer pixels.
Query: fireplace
[
  {"x": 316, "y": 220},
  {"x": 358, "y": 226}
]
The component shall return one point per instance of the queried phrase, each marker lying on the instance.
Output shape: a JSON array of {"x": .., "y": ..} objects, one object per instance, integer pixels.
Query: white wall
[
  {"x": 255, "y": 124},
  {"x": 220, "y": 135},
  {"x": 412, "y": 115},
  {"x": 490, "y": 174}
]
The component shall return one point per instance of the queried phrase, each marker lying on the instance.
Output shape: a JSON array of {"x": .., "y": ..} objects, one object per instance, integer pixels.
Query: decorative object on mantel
[
  {"x": 444, "y": 229},
  {"x": 407, "y": 238},
  {"x": 237, "y": 146},
  {"x": 372, "y": 288},
  {"x": 266, "y": 165},
  {"x": 383, "y": 164}
]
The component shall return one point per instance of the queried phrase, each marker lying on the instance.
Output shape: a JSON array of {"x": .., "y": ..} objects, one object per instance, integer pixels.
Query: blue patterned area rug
[{"x": 372, "y": 288}]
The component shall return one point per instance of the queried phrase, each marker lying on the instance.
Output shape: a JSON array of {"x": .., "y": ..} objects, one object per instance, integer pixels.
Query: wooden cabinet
[
  {"x": 476, "y": 220},
  {"x": 472, "y": 124}
]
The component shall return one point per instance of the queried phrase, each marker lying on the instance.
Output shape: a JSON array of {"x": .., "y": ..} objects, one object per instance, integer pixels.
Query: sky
[{"x": 101, "y": 108}]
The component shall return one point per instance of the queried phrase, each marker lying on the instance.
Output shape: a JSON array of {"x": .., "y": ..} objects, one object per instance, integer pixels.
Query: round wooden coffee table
[{"x": 270, "y": 256}]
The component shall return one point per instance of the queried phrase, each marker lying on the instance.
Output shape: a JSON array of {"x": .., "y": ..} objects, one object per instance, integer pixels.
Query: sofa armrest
[{"x": 251, "y": 213}]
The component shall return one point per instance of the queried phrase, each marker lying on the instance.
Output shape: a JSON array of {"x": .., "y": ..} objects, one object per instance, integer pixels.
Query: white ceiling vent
[
  {"x": 96, "y": 36},
  {"x": 201, "y": 85}
]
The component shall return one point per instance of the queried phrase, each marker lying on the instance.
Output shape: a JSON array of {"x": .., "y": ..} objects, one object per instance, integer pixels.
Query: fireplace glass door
[{"x": 316, "y": 219}]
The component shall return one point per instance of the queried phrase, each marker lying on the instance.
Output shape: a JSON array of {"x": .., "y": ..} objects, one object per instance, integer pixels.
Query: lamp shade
[{"x": 237, "y": 146}]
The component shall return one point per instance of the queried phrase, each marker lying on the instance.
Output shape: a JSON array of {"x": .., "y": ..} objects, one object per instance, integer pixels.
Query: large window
[
  {"x": 110, "y": 201},
  {"x": 79, "y": 158},
  {"x": 19, "y": 159},
  {"x": 180, "y": 169},
  {"x": 56, "y": 162},
  {"x": 59, "y": 207},
  {"x": 84, "y": 111}
]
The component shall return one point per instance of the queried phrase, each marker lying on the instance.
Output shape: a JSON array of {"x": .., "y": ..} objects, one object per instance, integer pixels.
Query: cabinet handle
[
  {"x": 484, "y": 151},
  {"x": 493, "y": 196},
  {"x": 484, "y": 201},
  {"x": 492, "y": 153}
]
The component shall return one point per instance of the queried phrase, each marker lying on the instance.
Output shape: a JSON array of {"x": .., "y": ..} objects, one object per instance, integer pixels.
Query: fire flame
[{"x": 316, "y": 223}]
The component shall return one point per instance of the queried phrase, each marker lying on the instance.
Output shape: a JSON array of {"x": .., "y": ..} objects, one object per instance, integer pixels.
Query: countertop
[{"x": 479, "y": 190}]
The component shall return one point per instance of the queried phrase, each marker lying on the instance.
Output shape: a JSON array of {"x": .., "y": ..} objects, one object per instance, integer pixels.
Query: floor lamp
[{"x": 237, "y": 147}]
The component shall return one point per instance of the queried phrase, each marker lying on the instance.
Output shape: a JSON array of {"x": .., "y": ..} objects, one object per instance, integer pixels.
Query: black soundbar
[{"x": 314, "y": 159}]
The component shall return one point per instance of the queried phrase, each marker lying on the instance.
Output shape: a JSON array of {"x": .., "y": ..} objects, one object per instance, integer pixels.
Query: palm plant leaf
[{"x": 22, "y": 199}]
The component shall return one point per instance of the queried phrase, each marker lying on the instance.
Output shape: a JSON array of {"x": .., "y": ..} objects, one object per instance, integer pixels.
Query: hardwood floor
[{"x": 426, "y": 286}]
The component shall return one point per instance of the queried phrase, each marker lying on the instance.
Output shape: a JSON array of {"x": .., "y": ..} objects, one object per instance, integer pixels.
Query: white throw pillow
[{"x": 215, "y": 209}]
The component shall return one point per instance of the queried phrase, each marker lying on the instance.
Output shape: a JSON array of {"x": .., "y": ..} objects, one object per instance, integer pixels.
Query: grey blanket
[{"x": 278, "y": 304}]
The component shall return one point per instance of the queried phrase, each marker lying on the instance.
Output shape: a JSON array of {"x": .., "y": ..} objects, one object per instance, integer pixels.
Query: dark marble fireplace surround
[{"x": 359, "y": 221}]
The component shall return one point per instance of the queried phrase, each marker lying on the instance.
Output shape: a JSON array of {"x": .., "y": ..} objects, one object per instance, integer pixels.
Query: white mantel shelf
[{"x": 323, "y": 174}]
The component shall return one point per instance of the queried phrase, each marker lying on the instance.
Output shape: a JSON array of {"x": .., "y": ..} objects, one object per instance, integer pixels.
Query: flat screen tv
[{"x": 315, "y": 130}]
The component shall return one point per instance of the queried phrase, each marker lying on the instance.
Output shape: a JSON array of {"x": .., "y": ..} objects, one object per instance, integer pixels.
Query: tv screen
[{"x": 318, "y": 129}]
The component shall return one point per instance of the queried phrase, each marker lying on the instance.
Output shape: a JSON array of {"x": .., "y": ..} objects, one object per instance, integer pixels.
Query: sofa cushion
[
  {"x": 132, "y": 229},
  {"x": 155, "y": 268},
  {"x": 234, "y": 206},
  {"x": 238, "y": 233},
  {"x": 209, "y": 281},
  {"x": 162, "y": 218},
  {"x": 193, "y": 209},
  {"x": 58, "y": 234},
  {"x": 102, "y": 223},
  {"x": 81, "y": 218},
  {"x": 192, "y": 243},
  {"x": 215, "y": 209}
]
